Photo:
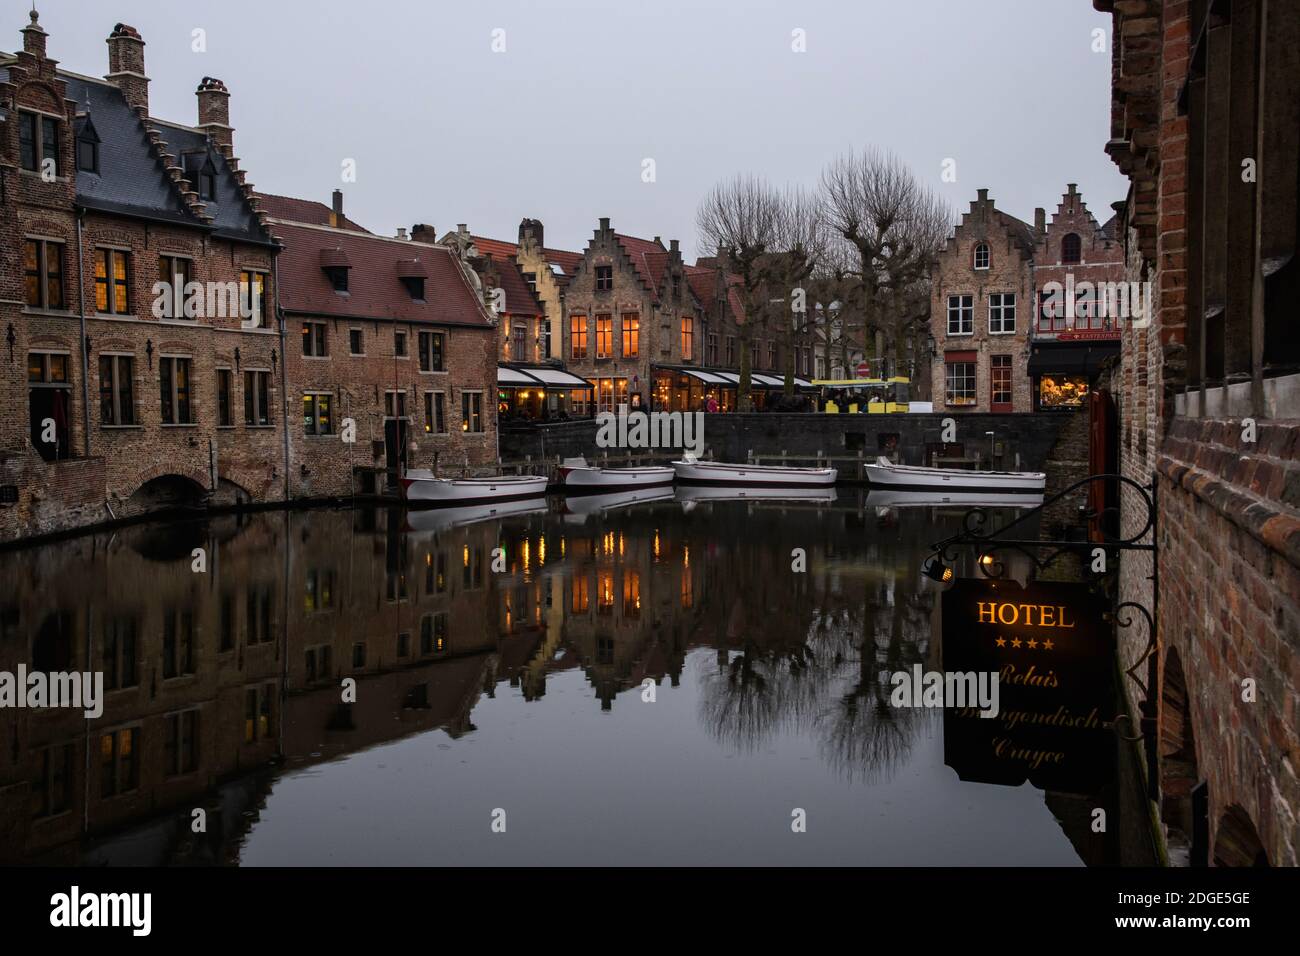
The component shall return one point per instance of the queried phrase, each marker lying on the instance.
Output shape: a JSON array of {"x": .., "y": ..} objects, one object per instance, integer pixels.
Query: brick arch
[
  {"x": 195, "y": 477},
  {"x": 1237, "y": 842},
  {"x": 31, "y": 91},
  {"x": 1179, "y": 771},
  {"x": 975, "y": 247}
]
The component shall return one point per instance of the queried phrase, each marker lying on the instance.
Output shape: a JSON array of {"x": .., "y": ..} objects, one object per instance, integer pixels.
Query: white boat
[
  {"x": 576, "y": 475},
  {"x": 421, "y": 485},
  {"x": 690, "y": 470},
  {"x": 885, "y": 474},
  {"x": 457, "y": 516}
]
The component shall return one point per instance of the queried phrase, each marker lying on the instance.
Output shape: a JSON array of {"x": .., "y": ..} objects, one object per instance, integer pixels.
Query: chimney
[
  {"x": 604, "y": 224},
  {"x": 336, "y": 213},
  {"x": 1040, "y": 220},
  {"x": 214, "y": 110},
  {"x": 422, "y": 232},
  {"x": 983, "y": 195},
  {"x": 126, "y": 65},
  {"x": 531, "y": 228},
  {"x": 34, "y": 37},
  {"x": 462, "y": 229},
  {"x": 672, "y": 246},
  {"x": 401, "y": 232}
]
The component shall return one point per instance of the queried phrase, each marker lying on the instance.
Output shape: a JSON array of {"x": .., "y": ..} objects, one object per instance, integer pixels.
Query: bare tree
[
  {"x": 753, "y": 222},
  {"x": 896, "y": 225}
]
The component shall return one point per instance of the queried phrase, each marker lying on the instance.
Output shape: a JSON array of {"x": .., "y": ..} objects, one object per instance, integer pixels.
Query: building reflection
[{"x": 219, "y": 680}]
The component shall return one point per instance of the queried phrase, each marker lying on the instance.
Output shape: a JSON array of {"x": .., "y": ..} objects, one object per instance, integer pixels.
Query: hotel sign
[{"x": 1053, "y": 653}]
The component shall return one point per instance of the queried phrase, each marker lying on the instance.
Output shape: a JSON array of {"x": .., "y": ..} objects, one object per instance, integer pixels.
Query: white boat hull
[
  {"x": 752, "y": 476},
  {"x": 591, "y": 479},
  {"x": 885, "y": 474},
  {"x": 422, "y": 487}
]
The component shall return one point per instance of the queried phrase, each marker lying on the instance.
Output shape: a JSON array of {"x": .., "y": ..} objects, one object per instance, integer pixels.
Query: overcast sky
[{"x": 445, "y": 130}]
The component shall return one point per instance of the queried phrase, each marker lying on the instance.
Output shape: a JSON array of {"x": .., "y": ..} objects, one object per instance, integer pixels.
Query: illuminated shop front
[
  {"x": 539, "y": 392},
  {"x": 1063, "y": 372},
  {"x": 678, "y": 389}
]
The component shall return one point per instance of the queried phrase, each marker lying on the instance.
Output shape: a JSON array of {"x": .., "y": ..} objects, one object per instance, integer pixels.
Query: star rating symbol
[
  {"x": 1015, "y": 642},
  {"x": 1048, "y": 645},
  {"x": 1001, "y": 642},
  {"x": 1032, "y": 643}
]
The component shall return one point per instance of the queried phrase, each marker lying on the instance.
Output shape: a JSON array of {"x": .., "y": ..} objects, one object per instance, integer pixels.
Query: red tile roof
[
  {"x": 374, "y": 288},
  {"x": 520, "y": 299},
  {"x": 301, "y": 210},
  {"x": 704, "y": 283},
  {"x": 642, "y": 252},
  {"x": 501, "y": 249}
]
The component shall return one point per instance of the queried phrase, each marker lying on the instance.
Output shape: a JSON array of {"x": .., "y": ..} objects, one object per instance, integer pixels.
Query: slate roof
[
  {"x": 374, "y": 288},
  {"x": 131, "y": 181},
  {"x": 302, "y": 210}
]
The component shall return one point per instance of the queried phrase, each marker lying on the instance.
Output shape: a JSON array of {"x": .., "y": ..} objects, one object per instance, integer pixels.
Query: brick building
[
  {"x": 980, "y": 285},
  {"x": 1204, "y": 124},
  {"x": 629, "y": 309},
  {"x": 393, "y": 335},
  {"x": 114, "y": 398},
  {"x": 1076, "y": 261}
]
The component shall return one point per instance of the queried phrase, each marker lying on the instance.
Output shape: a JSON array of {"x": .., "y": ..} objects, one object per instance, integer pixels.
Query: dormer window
[
  {"x": 87, "y": 148},
  {"x": 200, "y": 171},
  {"x": 335, "y": 264},
  {"x": 982, "y": 255},
  {"x": 413, "y": 273},
  {"x": 338, "y": 276},
  {"x": 87, "y": 156}
]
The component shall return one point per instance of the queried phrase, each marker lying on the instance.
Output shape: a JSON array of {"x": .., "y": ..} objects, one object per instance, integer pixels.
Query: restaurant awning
[
  {"x": 533, "y": 376},
  {"x": 727, "y": 379}
]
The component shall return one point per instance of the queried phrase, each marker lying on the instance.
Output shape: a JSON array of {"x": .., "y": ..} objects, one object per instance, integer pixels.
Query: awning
[
  {"x": 732, "y": 379},
  {"x": 557, "y": 378},
  {"x": 513, "y": 378},
  {"x": 1073, "y": 359},
  {"x": 523, "y": 376}
]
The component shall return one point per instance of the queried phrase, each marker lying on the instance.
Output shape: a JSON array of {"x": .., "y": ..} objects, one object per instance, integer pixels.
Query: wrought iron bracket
[{"x": 992, "y": 544}]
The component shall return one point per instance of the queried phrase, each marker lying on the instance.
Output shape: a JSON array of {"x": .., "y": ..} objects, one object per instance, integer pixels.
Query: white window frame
[{"x": 962, "y": 311}]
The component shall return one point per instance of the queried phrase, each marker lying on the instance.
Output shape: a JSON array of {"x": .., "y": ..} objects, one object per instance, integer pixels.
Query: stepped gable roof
[{"x": 132, "y": 180}]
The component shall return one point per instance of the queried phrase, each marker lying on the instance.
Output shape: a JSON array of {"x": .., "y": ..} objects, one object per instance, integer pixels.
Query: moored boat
[
  {"x": 420, "y": 485},
  {"x": 885, "y": 474},
  {"x": 690, "y": 470},
  {"x": 575, "y": 475}
]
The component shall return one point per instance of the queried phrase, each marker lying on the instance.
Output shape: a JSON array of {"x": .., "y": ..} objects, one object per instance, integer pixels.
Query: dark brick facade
[{"x": 1229, "y": 507}]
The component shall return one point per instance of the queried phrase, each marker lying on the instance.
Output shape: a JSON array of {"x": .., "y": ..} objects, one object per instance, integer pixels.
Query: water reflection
[{"x": 775, "y": 621}]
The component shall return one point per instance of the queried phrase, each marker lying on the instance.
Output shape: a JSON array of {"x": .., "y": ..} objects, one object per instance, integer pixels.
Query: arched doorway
[
  {"x": 1178, "y": 771},
  {"x": 1237, "y": 842}
]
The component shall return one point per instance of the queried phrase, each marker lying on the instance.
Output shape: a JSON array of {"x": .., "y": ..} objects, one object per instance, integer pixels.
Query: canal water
[{"x": 682, "y": 680}]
